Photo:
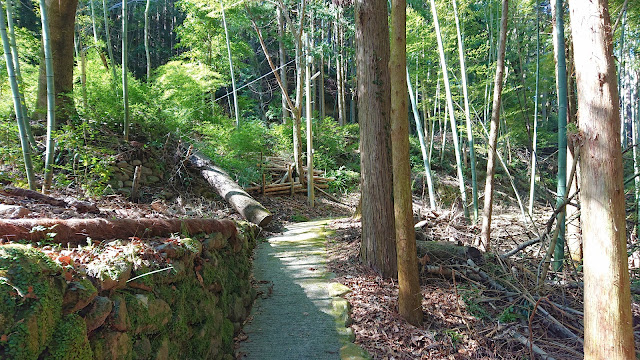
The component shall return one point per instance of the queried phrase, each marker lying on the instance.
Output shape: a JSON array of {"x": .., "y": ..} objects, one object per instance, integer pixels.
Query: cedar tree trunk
[
  {"x": 374, "y": 104},
  {"x": 62, "y": 19},
  {"x": 608, "y": 332}
]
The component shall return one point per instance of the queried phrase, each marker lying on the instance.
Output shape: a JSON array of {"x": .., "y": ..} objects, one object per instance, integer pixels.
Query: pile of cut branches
[{"x": 279, "y": 177}]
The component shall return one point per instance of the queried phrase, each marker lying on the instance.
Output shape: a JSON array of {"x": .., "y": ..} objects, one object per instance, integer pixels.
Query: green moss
[
  {"x": 148, "y": 315},
  {"x": 70, "y": 340},
  {"x": 227, "y": 335},
  {"x": 29, "y": 321},
  {"x": 193, "y": 245}
]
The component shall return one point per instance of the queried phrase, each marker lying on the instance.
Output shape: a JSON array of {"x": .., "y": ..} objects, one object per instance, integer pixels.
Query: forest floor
[{"x": 465, "y": 316}]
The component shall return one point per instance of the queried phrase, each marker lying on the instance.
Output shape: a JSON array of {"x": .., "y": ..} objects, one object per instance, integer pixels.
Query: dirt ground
[{"x": 492, "y": 312}]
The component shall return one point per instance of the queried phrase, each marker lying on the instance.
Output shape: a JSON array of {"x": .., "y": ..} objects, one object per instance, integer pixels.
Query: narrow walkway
[{"x": 295, "y": 316}]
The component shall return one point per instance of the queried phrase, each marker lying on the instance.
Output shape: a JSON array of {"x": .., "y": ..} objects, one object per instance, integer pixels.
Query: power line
[{"x": 249, "y": 83}]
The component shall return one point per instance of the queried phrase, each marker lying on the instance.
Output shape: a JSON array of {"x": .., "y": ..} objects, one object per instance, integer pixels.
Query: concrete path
[{"x": 295, "y": 315}]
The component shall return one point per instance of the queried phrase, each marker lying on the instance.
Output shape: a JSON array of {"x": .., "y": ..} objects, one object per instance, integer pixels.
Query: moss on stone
[
  {"x": 70, "y": 340},
  {"x": 29, "y": 321}
]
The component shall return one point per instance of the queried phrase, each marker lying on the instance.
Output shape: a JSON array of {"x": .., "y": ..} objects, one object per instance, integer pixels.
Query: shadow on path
[{"x": 291, "y": 319}]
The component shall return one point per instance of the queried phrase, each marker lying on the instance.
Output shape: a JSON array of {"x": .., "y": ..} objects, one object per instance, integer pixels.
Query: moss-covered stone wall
[{"x": 178, "y": 298}]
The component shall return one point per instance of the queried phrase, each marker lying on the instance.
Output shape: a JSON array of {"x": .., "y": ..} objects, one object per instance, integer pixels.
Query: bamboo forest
[{"x": 320, "y": 179}]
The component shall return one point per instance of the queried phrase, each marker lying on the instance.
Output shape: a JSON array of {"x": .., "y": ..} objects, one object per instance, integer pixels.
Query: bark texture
[
  {"x": 608, "y": 332},
  {"x": 76, "y": 231},
  {"x": 229, "y": 190},
  {"x": 62, "y": 19},
  {"x": 374, "y": 104},
  {"x": 409, "y": 296},
  {"x": 485, "y": 236}
]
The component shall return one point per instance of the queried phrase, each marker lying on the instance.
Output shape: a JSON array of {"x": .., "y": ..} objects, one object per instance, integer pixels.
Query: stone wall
[{"x": 134, "y": 299}]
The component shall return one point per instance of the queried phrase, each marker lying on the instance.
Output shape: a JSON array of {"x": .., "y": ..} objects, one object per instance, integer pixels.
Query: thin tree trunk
[
  {"x": 146, "y": 39},
  {"x": 409, "y": 295},
  {"x": 323, "y": 113},
  {"x": 283, "y": 61},
  {"x": 109, "y": 47},
  {"x": 24, "y": 141},
  {"x": 472, "y": 151},
  {"x": 339, "y": 79},
  {"x": 93, "y": 23},
  {"x": 485, "y": 237},
  {"x": 51, "y": 98},
  {"x": 83, "y": 70},
  {"x": 233, "y": 77},
  {"x": 310, "y": 190},
  {"x": 534, "y": 142},
  {"x": 16, "y": 64},
  {"x": 378, "y": 248},
  {"x": 608, "y": 332},
  {"x": 125, "y": 79},
  {"x": 423, "y": 146},
  {"x": 454, "y": 127},
  {"x": 561, "y": 85}
]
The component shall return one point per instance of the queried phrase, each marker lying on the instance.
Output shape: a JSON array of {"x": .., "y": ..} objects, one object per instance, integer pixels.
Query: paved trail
[{"x": 294, "y": 316}]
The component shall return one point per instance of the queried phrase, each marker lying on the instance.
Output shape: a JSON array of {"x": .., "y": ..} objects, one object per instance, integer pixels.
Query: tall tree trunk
[
  {"x": 454, "y": 127},
  {"x": 283, "y": 61},
  {"x": 485, "y": 236},
  {"x": 472, "y": 151},
  {"x": 309, "y": 115},
  {"x": 378, "y": 248},
  {"x": 534, "y": 141},
  {"x": 233, "y": 77},
  {"x": 561, "y": 85},
  {"x": 16, "y": 64},
  {"x": 339, "y": 73},
  {"x": 52, "y": 86},
  {"x": 109, "y": 47},
  {"x": 321, "y": 80},
  {"x": 62, "y": 19},
  {"x": 93, "y": 23},
  {"x": 146, "y": 39},
  {"x": 409, "y": 295},
  {"x": 608, "y": 332},
  {"x": 125, "y": 78},
  {"x": 24, "y": 141}
]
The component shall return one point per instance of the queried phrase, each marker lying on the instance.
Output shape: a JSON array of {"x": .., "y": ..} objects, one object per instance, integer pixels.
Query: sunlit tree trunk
[
  {"x": 146, "y": 39},
  {"x": 62, "y": 17},
  {"x": 233, "y": 77},
  {"x": 423, "y": 147},
  {"x": 309, "y": 116},
  {"x": 13, "y": 82},
  {"x": 561, "y": 85},
  {"x": 472, "y": 151},
  {"x": 93, "y": 23},
  {"x": 454, "y": 127},
  {"x": 16, "y": 64},
  {"x": 51, "y": 98},
  {"x": 283, "y": 61},
  {"x": 125, "y": 79},
  {"x": 608, "y": 332},
  {"x": 534, "y": 141},
  {"x": 485, "y": 236},
  {"x": 109, "y": 47},
  {"x": 378, "y": 248},
  {"x": 409, "y": 295}
]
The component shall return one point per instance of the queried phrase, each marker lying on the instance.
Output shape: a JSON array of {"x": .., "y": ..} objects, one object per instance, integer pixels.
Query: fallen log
[
  {"x": 76, "y": 231},
  {"x": 229, "y": 190},
  {"x": 441, "y": 252},
  {"x": 80, "y": 206}
]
